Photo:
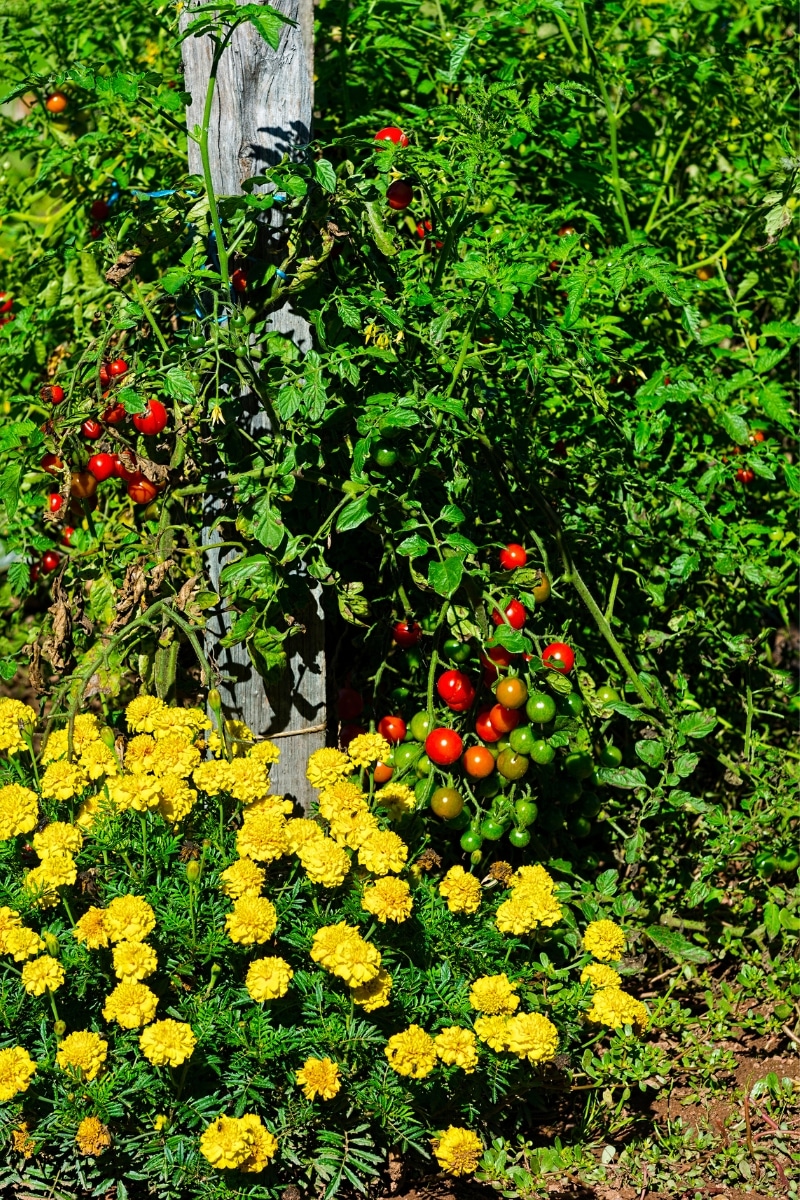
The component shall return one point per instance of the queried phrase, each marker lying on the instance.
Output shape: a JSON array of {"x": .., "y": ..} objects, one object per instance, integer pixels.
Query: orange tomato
[
  {"x": 504, "y": 719},
  {"x": 478, "y": 762}
]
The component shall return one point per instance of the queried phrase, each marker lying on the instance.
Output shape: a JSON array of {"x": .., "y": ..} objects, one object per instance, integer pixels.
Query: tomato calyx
[{"x": 406, "y": 633}]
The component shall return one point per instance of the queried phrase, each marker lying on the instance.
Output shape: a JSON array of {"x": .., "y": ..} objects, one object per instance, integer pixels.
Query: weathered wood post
[{"x": 262, "y": 110}]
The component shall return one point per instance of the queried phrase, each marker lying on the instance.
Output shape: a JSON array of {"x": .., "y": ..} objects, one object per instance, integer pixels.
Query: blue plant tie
[
  {"x": 281, "y": 274},
  {"x": 280, "y": 198}
]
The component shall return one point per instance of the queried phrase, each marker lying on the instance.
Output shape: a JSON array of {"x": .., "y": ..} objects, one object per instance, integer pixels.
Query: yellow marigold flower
[
  {"x": 276, "y": 805},
  {"x": 239, "y": 736},
  {"x": 13, "y": 715},
  {"x": 494, "y": 995},
  {"x": 301, "y": 830},
  {"x": 605, "y": 940},
  {"x": 63, "y": 780},
  {"x": 138, "y": 792},
  {"x": 189, "y": 721},
  {"x": 41, "y": 975},
  {"x": 457, "y": 1047},
  {"x": 140, "y": 713},
  {"x": 129, "y": 919},
  {"x": 242, "y": 878},
  {"x": 265, "y": 752},
  {"x": 368, "y": 748},
  {"x": 341, "y": 950},
  {"x": 42, "y": 882},
  {"x": 319, "y": 1077},
  {"x": 167, "y": 1043},
  {"x": 9, "y": 919},
  {"x": 412, "y": 1052},
  {"x": 615, "y": 1008},
  {"x": 211, "y": 777},
  {"x": 84, "y": 1051},
  {"x": 264, "y": 1145},
  {"x": 601, "y": 976},
  {"x": 134, "y": 961},
  {"x": 253, "y": 920},
  {"x": 19, "y": 810},
  {"x": 535, "y": 878},
  {"x": 21, "y": 942},
  {"x": 324, "y": 862},
  {"x": 97, "y": 760},
  {"x": 21, "y": 1140},
  {"x": 382, "y": 852},
  {"x": 374, "y": 994},
  {"x": 397, "y": 798},
  {"x": 263, "y": 835},
  {"x": 389, "y": 899},
  {"x": 238, "y": 1144},
  {"x": 458, "y": 1151},
  {"x": 131, "y": 1005},
  {"x": 526, "y": 910},
  {"x": 493, "y": 1031},
  {"x": 248, "y": 780},
  {"x": 16, "y": 1069},
  {"x": 268, "y": 979},
  {"x": 88, "y": 813},
  {"x": 352, "y": 830},
  {"x": 139, "y": 754},
  {"x": 92, "y": 1137},
  {"x": 177, "y": 799},
  {"x": 461, "y": 890},
  {"x": 90, "y": 929},
  {"x": 341, "y": 796},
  {"x": 327, "y": 766},
  {"x": 59, "y": 837},
  {"x": 85, "y": 732},
  {"x": 174, "y": 755},
  {"x": 532, "y": 1036},
  {"x": 56, "y": 746}
]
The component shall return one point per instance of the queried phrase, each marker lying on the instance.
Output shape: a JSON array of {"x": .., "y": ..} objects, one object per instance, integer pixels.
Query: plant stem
[
  {"x": 668, "y": 169},
  {"x": 222, "y": 253},
  {"x": 146, "y": 310}
]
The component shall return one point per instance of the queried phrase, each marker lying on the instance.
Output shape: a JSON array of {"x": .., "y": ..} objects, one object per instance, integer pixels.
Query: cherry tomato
[
  {"x": 391, "y": 133},
  {"x": 54, "y": 502},
  {"x": 99, "y": 210},
  {"x": 382, "y": 773},
  {"x": 392, "y": 728},
  {"x": 519, "y": 838},
  {"x": 423, "y": 767},
  {"x": 497, "y": 654},
  {"x": 744, "y": 474},
  {"x": 512, "y": 556},
  {"x": 757, "y": 435},
  {"x": 404, "y": 756},
  {"x": 91, "y": 429},
  {"x": 153, "y": 419},
  {"x": 115, "y": 414},
  {"x": 607, "y": 695},
  {"x": 471, "y": 842},
  {"x": 123, "y": 471},
  {"x": 610, "y": 756},
  {"x": 6, "y": 304},
  {"x": 101, "y": 466},
  {"x": 478, "y": 762},
  {"x": 580, "y": 827},
  {"x": 453, "y": 685},
  {"x": 105, "y": 378},
  {"x": 400, "y": 694},
  {"x": 559, "y": 656},
  {"x": 492, "y": 830},
  {"x": 514, "y": 615},
  {"x": 525, "y": 812},
  {"x": 512, "y": 766},
  {"x": 82, "y": 485},
  {"x": 443, "y": 746},
  {"x": 142, "y": 491},
  {"x": 50, "y": 560},
  {"x": 571, "y": 791},
  {"x": 511, "y": 692},
  {"x": 239, "y": 280},
  {"x": 35, "y": 569},
  {"x": 590, "y": 804},
  {"x": 420, "y": 726},
  {"x": 350, "y": 704},
  {"x": 542, "y": 753},
  {"x": 447, "y": 803},
  {"x": 399, "y": 194},
  {"x": 704, "y": 273},
  {"x": 457, "y": 651},
  {"x": 66, "y": 536},
  {"x": 573, "y": 703},
  {"x": 540, "y": 708},
  {"x": 788, "y": 860},
  {"x": 95, "y": 232},
  {"x": 406, "y": 633},
  {"x": 504, "y": 719},
  {"x": 56, "y": 102},
  {"x": 51, "y": 463},
  {"x": 384, "y": 456},
  {"x": 579, "y": 764},
  {"x": 484, "y": 727},
  {"x": 765, "y": 864},
  {"x": 117, "y": 367},
  {"x": 464, "y": 701},
  {"x": 522, "y": 739},
  {"x": 53, "y": 392},
  {"x": 541, "y": 589},
  {"x": 565, "y": 230}
]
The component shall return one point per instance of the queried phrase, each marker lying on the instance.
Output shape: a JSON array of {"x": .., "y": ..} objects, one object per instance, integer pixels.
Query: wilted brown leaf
[{"x": 122, "y": 268}]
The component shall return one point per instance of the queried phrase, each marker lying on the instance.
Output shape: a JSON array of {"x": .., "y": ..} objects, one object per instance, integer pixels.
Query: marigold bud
[
  {"x": 51, "y": 944},
  {"x": 60, "y": 1028},
  {"x": 214, "y": 699},
  {"x": 193, "y": 870}
]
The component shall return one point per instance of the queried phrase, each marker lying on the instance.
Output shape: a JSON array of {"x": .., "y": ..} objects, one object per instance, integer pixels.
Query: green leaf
[
  {"x": 178, "y": 385},
  {"x": 445, "y": 577},
  {"x": 622, "y": 777},
  {"x": 267, "y": 654},
  {"x": 267, "y": 21},
  {"x": 606, "y": 883},
  {"x": 772, "y": 919},
  {"x": 676, "y": 945},
  {"x": 10, "y": 487},
  {"x": 348, "y": 313},
  {"x": 354, "y": 514},
  {"x": 267, "y": 523},
  {"x": 697, "y": 725},
  {"x": 131, "y": 401},
  {"x": 735, "y": 426},
  {"x": 627, "y": 710},
  {"x": 414, "y": 546},
  {"x": 774, "y": 404},
  {"x": 325, "y": 175},
  {"x": 256, "y": 568},
  {"x": 651, "y": 752},
  {"x": 380, "y": 235},
  {"x": 513, "y": 640}
]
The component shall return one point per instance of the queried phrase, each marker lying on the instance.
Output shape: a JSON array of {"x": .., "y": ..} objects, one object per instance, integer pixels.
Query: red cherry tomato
[
  {"x": 99, "y": 210},
  {"x": 452, "y": 685},
  {"x": 123, "y": 471},
  {"x": 559, "y": 656},
  {"x": 512, "y": 556},
  {"x": 54, "y": 502},
  {"x": 153, "y": 420},
  {"x": 35, "y": 572},
  {"x": 391, "y": 133},
  {"x": 504, "y": 719},
  {"x": 114, "y": 415},
  {"x": 463, "y": 701},
  {"x": 95, "y": 232},
  {"x": 5, "y": 302},
  {"x": 239, "y": 280},
  {"x": 382, "y": 773},
  {"x": 142, "y": 491},
  {"x": 66, "y": 536},
  {"x": 484, "y": 727},
  {"x": 105, "y": 378},
  {"x": 745, "y": 475},
  {"x": 350, "y": 704},
  {"x": 56, "y": 102},
  {"x": 756, "y": 436},
  {"x": 51, "y": 463},
  {"x": 102, "y": 466},
  {"x": 565, "y": 230},
  {"x": 50, "y": 560},
  {"x": 82, "y": 485},
  {"x": 443, "y": 746},
  {"x": 514, "y": 614},
  {"x": 392, "y": 728},
  {"x": 406, "y": 633},
  {"x": 399, "y": 194},
  {"x": 424, "y": 228},
  {"x": 53, "y": 392},
  {"x": 91, "y": 429},
  {"x": 117, "y": 367}
]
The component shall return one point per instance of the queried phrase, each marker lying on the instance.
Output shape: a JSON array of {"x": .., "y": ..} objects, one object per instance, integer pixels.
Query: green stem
[
  {"x": 435, "y": 657},
  {"x": 748, "y": 729},
  {"x": 222, "y": 253},
  {"x": 672, "y": 161},
  {"x": 143, "y": 822},
  {"x": 146, "y": 310}
]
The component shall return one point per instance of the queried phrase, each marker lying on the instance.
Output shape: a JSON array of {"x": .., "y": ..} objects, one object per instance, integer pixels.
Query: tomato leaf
[
  {"x": 650, "y": 752},
  {"x": 178, "y": 385},
  {"x": 354, "y": 514},
  {"x": 622, "y": 777},
  {"x": 445, "y": 577},
  {"x": 697, "y": 725},
  {"x": 325, "y": 175}
]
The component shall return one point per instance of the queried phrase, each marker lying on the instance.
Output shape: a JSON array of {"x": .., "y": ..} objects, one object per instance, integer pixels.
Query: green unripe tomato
[
  {"x": 572, "y": 790},
  {"x": 525, "y": 812},
  {"x": 239, "y": 319},
  {"x": 447, "y": 803},
  {"x": 492, "y": 830},
  {"x": 590, "y": 805},
  {"x": 470, "y": 841},
  {"x": 459, "y": 822},
  {"x": 196, "y": 341},
  {"x": 579, "y": 764},
  {"x": 607, "y": 695},
  {"x": 572, "y": 704},
  {"x": 400, "y": 693},
  {"x": 488, "y": 207},
  {"x": 788, "y": 860},
  {"x": 384, "y": 456},
  {"x": 765, "y": 864},
  {"x": 456, "y": 651},
  {"x": 405, "y": 756},
  {"x": 487, "y": 789},
  {"x": 542, "y": 753},
  {"x": 512, "y": 766},
  {"x": 413, "y": 661},
  {"x": 420, "y": 726},
  {"x": 519, "y": 838},
  {"x": 424, "y": 766},
  {"x": 580, "y": 827},
  {"x": 522, "y": 739},
  {"x": 540, "y": 708},
  {"x": 610, "y": 756}
]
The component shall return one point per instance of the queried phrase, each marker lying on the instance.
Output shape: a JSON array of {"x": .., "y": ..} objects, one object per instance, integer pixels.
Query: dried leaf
[{"x": 122, "y": 268}]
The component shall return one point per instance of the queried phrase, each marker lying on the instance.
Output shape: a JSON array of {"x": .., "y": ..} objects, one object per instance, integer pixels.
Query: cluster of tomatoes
[
  {"x": 104, "y": 464},
  {"x": 6, "y": 304}
]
